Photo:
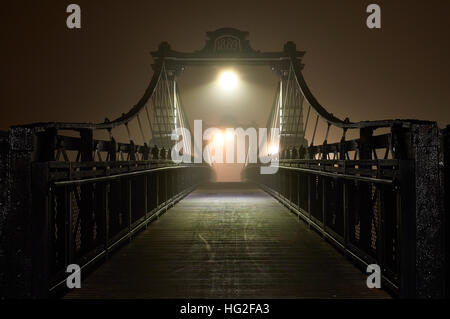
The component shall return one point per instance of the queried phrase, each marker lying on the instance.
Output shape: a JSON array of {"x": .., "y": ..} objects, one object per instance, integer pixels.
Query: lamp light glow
[
  {"x": 218, "y": 139},
  {"x": 228, "y": 80},
  {"x": 273, "y": 149}
]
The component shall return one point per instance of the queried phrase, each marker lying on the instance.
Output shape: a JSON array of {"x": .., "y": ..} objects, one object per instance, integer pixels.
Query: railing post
[
  {"x": 45, "y": 145},
  {"x": 422, "y": 261},
  {"x": 68, "y": 233},
  {"x": 145, "y": 178},
  {"x": 157, "y": 188},
  {"x": 44, "y": 151},
  {"x": 342, "y": 158},
  {"x": 113, "y": 150},
  {"x": 166, "y": 195},
  {"x": 129, "y": 203},
  {"x": 101, "y": 213},
  {"x": 16, "y": 240},
  {"x": 345, "y": 212},
  {"x": 107, "y": 215},
  {"x": 87, "y": 193},
  {"x": 324, "y": 203},
  {"x": 41, "y": 204},
  {"x": 309, "y": 195},
  {"x": 401, "y": 149},
  {"x": 4, "y": 150},
  {"x": 446, "y": 196},
  {"x": 365, "y": 213},
  {"x": 345, "y": 206}
]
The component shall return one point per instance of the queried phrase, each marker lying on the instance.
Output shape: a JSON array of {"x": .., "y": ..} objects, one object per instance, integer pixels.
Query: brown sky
[{"x": 51, "y": 73}]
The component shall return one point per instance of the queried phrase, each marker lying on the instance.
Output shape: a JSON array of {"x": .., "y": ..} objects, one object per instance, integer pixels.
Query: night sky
[{"x": 51, "y": 73}]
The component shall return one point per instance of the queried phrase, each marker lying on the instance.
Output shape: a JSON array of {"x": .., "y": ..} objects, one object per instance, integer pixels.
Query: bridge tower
[
  {"x": 167, "y": 113},
  {"x": 287, "y": 110}
]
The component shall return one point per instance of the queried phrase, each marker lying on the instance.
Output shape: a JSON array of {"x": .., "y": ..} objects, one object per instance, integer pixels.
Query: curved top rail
[
  {"x": 321, "y": 111},
  {"x": 123, "y": 119},
  {"x": 329, "y": 117}
]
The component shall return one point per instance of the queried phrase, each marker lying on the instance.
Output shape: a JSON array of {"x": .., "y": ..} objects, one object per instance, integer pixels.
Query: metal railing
[
  {"x": 389, "y": 212},
  {"x": 357, "y": 213},
  {"x": 80, "y": 221},
  {"x": 76, "y": 211}
]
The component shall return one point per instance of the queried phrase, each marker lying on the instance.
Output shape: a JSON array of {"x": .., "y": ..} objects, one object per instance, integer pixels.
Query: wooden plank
[{"x": 227, "y": 240}]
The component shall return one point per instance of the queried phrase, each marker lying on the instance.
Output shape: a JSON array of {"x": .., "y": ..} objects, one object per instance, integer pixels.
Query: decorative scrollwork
[
  {"x": 227, "y": 40},
  {"x": 227, "y": 44}
]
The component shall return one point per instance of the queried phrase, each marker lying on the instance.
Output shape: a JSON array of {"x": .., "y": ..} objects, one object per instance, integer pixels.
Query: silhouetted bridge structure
[{"x": 70, "y": 197}]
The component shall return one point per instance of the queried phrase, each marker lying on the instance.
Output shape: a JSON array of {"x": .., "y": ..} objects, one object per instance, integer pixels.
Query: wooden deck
[{"x": 227, "y": 241}]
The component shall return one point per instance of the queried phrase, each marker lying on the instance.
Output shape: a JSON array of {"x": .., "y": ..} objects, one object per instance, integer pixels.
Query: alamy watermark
[
  {"x": 222, "y": 144},
  {"x": 374, "y": 278},
  {"x": 73, "y": 20},
  {"x": 74, "y": 279},
  {"x": 373, "y": 21}
]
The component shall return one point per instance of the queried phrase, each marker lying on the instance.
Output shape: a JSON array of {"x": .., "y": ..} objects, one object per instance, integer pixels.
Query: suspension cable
[
  {"x": 315, "y": 128},
  {"x": 140, "y": 128}
]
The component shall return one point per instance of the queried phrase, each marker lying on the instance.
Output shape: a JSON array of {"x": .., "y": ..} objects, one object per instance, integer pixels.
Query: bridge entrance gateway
[{"x": 73, "y": 198}]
